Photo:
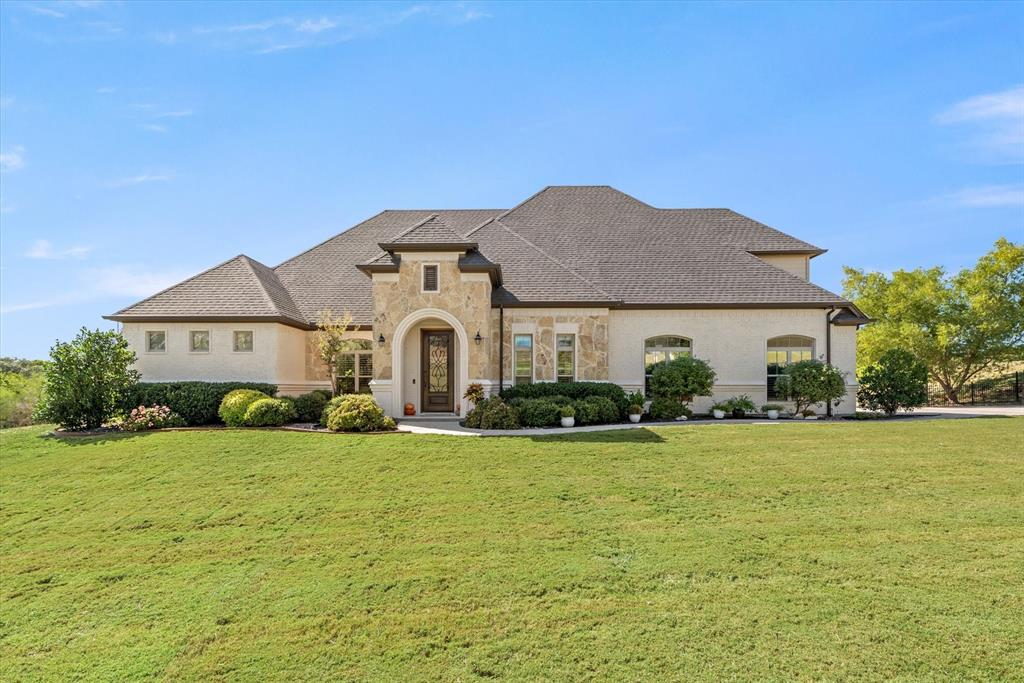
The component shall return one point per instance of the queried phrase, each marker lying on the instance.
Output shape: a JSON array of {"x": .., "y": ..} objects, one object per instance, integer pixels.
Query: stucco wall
[
  {"x": 734, "y": 342},
  {"x": 796, "y": 264},
  {"x": 220, "y": 364}
]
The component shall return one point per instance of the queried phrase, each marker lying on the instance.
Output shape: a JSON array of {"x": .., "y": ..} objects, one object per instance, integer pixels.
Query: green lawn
[{"x": 838, "y": 551}]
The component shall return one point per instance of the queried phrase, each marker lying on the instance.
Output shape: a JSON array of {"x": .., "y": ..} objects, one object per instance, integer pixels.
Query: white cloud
[
  {"x": 147, "y": 177},
  {"x": 43, "y": 249},
  {"x": 315, "y": 25},
  {"x": 154, "y": 127},
  {"x": 166, "y": 37},
  {"x": 122, "y": 281},
  {"x": 13, "y": 159},
  {"x": 45, "y": 11},
  {"x": 990, "y": 196},
  {"x": 175, "y": 114},
  {"x": 997, "y": 120}
]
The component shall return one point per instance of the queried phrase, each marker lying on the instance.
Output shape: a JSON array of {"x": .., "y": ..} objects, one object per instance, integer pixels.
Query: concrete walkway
[{"x": 453, "y": 428}]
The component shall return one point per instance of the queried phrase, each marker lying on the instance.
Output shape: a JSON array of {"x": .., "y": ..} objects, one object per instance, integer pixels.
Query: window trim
[
  {"x": 533, "y": 358},
  {"x": 643, "y": 350},
  {"x": 575, "y": 355},
  {"x": 209, "y": 342},
  {"x": 145, "y": 341},
  {"x": 788, "y": 349},
  {"x": 423, "y": 278},
  {"x": 357, "y": 378},
  {"x": 234, "y": 342}
]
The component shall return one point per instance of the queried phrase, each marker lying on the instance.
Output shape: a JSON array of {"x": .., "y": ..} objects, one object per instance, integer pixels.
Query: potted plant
[
  {"x": 636, "y": 406},
  {"x": 771, "y": 410},
  {"x": 718, "y": 409},
  {"x": 568, "y": 415},
  {"x": 739, "y": 406}
]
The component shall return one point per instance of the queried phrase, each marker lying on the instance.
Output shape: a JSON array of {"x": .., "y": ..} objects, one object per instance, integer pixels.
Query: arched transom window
[
  {"x": 782, "y": 351},
  {"x": 661, "y": 350}
]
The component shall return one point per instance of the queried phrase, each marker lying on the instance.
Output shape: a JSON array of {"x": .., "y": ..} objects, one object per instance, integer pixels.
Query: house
[{"x": 574, "y": 283}]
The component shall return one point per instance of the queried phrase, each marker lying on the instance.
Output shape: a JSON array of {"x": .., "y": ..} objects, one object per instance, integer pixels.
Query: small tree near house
[
  {"x": 331, "y": 343},
  {"x": 809, "y": 382}
]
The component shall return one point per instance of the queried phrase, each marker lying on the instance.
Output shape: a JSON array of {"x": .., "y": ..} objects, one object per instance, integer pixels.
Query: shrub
[
  {"x": 742, "y": 402},
  {"x": 309, "y": 407},
  {"x": 233, "y": 407},
  {"x": 87, "y": 379},
  {"x": 198, "y": 403},
  {"x": 154, "y": 417},
  {"x": 359, "y": 413},
  {"x": 269, "y": 412},
  {"x": 586, "y": 413},
  {"x": 898, "y": 381},
  {"x": 571, "y": 390},
  {"x": 681, "y": 379},
  {"x": 330, "y": 407},
  {"x": 567, "y": 411},
  {"x": 19, "y": 395},
  {"x": 559, "y": 400},
  {"x": 596, "y": 410},
  {"x": 537, "y": 412},
  {"x": 636, "y": 398},
  {"x": 809, "y": 382},
  {"x": 492, "y": 413},
  {"x": 668, "y": 409}
]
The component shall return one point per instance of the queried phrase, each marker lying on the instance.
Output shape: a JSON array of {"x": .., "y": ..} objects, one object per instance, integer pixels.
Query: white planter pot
[
  {"x": 634, "y": 417},
  {"x": 773, "y": 415},
  {"x": 568, "y": 421},
  {"x": 719, "y": 414},
  {"x": 810, "y": 417}
]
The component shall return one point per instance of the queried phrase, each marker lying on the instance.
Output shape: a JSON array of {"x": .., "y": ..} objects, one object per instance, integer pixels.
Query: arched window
[
  {"x": 661, "y": 350},
  {"x": 782, "y": 351},
  {"x": 355, "y": 367}
]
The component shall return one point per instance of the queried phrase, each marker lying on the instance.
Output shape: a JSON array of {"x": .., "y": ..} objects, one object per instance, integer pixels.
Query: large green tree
[{"x": 958, "y": 325}]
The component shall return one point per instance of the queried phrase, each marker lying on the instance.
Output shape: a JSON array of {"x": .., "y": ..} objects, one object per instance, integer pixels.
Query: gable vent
[{"x": 430, "y": 278}]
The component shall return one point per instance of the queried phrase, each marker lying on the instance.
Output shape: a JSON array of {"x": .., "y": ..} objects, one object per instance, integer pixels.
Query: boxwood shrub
[
  {"x": 196, "y": 402},
  {"x": 492, "y": 413},
  {"x": 269, "y": 412},
  {"x": 538, "y": 412},
  {"x": 359, "y": 413},
  {"x": 233, "y": 407},
  {"x": 595, "y": 410},
  {"x": 572, "y": 390},
  {"x": 309, "y": 407}
]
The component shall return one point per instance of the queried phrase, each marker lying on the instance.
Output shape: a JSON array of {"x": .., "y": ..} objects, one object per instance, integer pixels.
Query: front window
[
  {"x": 243, "y": 341},
  {"x": 355, "y": 368},
  {"x": 566, "y": 357},
  {"x": 522, "y": 345},
  {"x": 781, "y": 352},
  {"x": 658, "y": 350},
  {"x": 156, "y": 341},
  {"x": 199, "y": 341}
]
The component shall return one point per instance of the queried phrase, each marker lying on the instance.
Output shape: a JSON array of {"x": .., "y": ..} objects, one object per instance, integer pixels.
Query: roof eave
[
  {"x": 392, "y": 247},
  {"x": 811, "y": 253},
  {"x": 284, "y": 320},
  {"x": 493, "y": 270}
]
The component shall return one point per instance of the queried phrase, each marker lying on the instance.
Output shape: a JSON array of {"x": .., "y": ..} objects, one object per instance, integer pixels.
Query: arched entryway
[{"x": 430, "y": 359}]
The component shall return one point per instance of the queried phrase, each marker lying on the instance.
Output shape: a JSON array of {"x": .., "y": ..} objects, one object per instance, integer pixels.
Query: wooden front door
[{"x": 437, "y": 376}]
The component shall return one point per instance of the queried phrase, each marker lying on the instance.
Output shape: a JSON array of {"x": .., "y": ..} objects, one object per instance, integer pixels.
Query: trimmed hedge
[
  {"x": 232, "y": 408},
  {"x": 596, "y": 410},
  {"x": 196, "y": 402},
  {"x": 269, "y": 412},
  {"x": 309, "y": 407},
  {"x": 572, "y": 390},
  {"x": 538, "y": 412},
  {"x": 492, "y": 413}
]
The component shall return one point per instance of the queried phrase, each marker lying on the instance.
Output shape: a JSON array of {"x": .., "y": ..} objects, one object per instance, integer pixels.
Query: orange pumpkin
[{"x": 410, "y": 409}]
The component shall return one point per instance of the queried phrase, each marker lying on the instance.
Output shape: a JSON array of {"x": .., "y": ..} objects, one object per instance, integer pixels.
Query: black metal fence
[{"x": 1005, "y": 389}]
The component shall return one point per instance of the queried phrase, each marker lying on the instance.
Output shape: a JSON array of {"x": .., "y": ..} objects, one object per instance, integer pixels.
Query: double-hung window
[
  {"x": 355, "y": 368},
  {"x": 522, "y": 349},
  {"x": 781, "y": 352},
  {"x": 658, "y": 350},
  {"x": 565, "y": 357}
]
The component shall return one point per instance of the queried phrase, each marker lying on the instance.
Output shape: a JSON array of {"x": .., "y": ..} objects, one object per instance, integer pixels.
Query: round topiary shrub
[
  {"x": 604, "y": 408},
  {"x": 668, "y": 409},
  {"x": 359, "y": 413},
  {"x": 492, "y": 413},
  {"x": 309, "y": 407},
  {"x": 269, "y": 412},
  {"x": 538, "y": 412},
  {"x": 331, "y": 405},
  {"x": 233, "y": 406}
]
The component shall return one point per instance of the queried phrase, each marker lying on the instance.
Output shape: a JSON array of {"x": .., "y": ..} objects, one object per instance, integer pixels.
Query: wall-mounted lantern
[
  {"x": 380, "y": 340},
  {"x": 478, "y": 338}
]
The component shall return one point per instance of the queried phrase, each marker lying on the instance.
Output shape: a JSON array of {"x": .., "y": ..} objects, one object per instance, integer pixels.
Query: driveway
[{"x": 1008, "y": 410}]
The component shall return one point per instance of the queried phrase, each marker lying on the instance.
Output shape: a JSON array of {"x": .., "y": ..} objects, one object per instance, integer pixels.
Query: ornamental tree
[
  {"x": 331, "y": 343},
  {"x": 898, "y": 381},
  {"x": 959, "y": 326},
  {"x": 809, "y": 382},
  {"x": 87, "y": 380},
  {"x": 681, "y": 379}
]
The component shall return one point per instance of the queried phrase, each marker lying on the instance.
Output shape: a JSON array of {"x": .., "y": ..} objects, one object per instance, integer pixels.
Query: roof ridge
[
  {"x": 249, "y": 261},
  {"x": 405, "y": 232},
  {"x": 556, "y": 261},
  {"x": 334, "y": 236},
  {"x": 185, "y": 281}
]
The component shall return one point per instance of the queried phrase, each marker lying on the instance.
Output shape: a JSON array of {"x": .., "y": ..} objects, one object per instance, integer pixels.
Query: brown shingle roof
[{"x": 573, "y": 244}]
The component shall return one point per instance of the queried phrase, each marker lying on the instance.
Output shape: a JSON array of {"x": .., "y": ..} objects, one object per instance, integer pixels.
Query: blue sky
[{"x": 142, "y": 143}]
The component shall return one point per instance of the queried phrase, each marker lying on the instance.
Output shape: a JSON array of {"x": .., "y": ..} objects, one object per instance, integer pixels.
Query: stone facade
[{"x": 590, "y": 325}]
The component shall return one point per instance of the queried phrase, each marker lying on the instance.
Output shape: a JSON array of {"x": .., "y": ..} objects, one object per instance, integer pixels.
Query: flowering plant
[{"x": 154, "y": 417}]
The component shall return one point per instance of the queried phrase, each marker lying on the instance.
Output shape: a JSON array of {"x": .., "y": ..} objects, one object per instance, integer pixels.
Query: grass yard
[{"x": 789, "y": 551}]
